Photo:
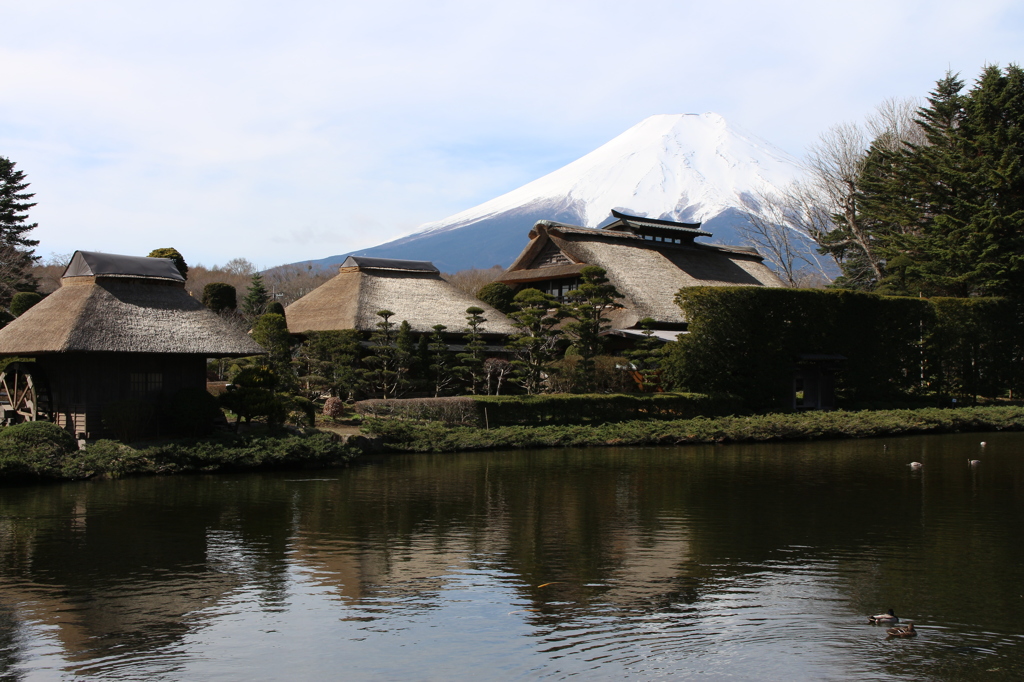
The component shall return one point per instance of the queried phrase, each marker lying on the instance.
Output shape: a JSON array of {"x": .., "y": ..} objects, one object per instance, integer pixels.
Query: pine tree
[
  {"x": 535, "y": 344},
  {"x": 472, "y": 360},
  {"x": 441, "y": 366},
  {"x": 646, "y": 357},
  {"x": 587, "y": 307},
  {"x": 16, "y": 254},
  {"x": 256, "y": 299},
  {"x": 385, "y": 365}
]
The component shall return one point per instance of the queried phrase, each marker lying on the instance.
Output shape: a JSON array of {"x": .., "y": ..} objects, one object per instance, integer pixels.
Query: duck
[
  {"x": 973, "y": 462},
  {"x": 884, "y": 618},
  {"x": 905, "y": 631},
  {"x": 915, "y": 465}
]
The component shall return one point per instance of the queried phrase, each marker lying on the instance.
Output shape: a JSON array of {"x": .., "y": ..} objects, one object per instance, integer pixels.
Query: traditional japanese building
[
  {"x": 119, "y": 328},
  {"x": 413, "y": 290},
  {"x": 647, "y": 260}
]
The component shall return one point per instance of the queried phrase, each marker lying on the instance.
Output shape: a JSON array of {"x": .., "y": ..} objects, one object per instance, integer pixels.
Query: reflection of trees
[{"x": 136, "y": 563}]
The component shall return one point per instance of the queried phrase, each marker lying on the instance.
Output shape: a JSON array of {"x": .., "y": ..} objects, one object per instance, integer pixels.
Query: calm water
[{"x": 748, "y": 562}]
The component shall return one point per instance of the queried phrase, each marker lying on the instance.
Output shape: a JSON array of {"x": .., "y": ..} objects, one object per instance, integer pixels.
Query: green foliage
[
  {"x": 587, "y": 307},
  {"x": 174, "y": 255},
  {"x": 645, "y": 357},
  {"x": 128, "y": 420},
  {"x": 442, "y": 363},
  {"x": 253, "y": 395},
  {"x": 22, "y": 301},
  {"x": 387, "y": 365},
  {"x": 409, "y": 436},
  {"x": 5, "y": 318},
  {"x": 112, "y": 459},
  {"x": 275, "y": 308},
  {"x": 471, "y": 362},
  {"x": 256, "y": 300},
  {"x": 218, "y": 296},
  {"x": 535, "y": 343},
  {"x": 450, "y": 410},
  {"x": 327, "y": 362},
  {"x": 271, "y": 331},
  {"x": 193, "y": 412},
  {"x": 945, "y": 216},
  {"x": 497, "y": 295},
  {"x": 746, "y": 340},
  {"x": 15, "y": 247},
  {"x": 37, "y": 434}
]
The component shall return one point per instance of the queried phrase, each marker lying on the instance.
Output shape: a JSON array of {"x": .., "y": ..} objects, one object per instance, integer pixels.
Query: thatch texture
[
  {"x": 647, "y": 273},
  {"x": 352, "y": 298},
  {"x": 123, "y": 314}
]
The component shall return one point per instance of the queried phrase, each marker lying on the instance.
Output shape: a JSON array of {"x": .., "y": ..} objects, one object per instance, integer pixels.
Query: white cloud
[{"x": 287, "y": 131}]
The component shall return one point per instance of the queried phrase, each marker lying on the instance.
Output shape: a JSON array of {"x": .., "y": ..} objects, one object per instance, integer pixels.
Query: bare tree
[{"x": 776, "y": 228}]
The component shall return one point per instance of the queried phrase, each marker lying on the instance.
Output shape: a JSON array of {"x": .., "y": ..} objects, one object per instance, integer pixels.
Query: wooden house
[
  {"x": 647, "y": 260},
  {"x": 413, "y": 290},
  {"x": 118, "y": 328}
]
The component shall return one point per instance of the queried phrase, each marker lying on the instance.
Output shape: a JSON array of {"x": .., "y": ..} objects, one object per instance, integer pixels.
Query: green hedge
[
  {"x": 745, "y": 340},
  {"x": 405, "y": 436}
]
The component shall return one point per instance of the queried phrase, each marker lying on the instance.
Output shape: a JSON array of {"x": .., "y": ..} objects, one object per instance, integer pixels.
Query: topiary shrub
[
  {"x": 334, "y": 408},
  {"x": 34, "y": 449},
  {"x": 22, "y": 301},
  {"x": 193, "y": 412},
  {"x": 218, "y": 296},
  {"x": 128, "y": 420}
]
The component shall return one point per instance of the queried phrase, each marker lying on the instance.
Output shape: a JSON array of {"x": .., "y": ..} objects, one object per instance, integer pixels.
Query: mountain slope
[{"x": 686, "y": 167}]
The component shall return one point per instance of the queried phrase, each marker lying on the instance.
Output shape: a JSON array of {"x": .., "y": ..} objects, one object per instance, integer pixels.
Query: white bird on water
[
  {"x": 915, "y": 465},
  {"x": 973, "y": 462}
]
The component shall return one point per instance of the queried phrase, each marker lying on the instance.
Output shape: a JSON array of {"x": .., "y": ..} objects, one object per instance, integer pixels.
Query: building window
[{"x": 145, "y": 384}]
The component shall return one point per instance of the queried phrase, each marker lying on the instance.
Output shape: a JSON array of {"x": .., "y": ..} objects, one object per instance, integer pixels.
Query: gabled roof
[
  {"x": 643, "y": 226},
  {"x": 365, "y": 263},
  {"x": 416, "y": 294},
  {"x": 94, "y": 263},
  {"x": 648, "y": 273},
  {"x": 123, "y": 312}
]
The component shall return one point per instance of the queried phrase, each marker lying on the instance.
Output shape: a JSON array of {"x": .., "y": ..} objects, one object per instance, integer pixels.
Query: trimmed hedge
[
  {"x": 745, "y": 341},
  {"x": 405, "y": 436},
  {"x": 559, "y": 408},
  {"x": 28, "y": 457}
]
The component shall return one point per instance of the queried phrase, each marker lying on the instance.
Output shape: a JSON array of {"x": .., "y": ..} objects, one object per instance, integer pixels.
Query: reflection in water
[{"x": 749, "y": 561}]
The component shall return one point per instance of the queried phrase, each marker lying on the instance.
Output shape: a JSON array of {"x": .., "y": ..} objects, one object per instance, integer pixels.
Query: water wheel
[{"x": 24, "y": 394}]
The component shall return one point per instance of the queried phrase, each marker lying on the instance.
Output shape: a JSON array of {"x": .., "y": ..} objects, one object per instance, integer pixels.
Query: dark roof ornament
[
  {"x": 654, "y": 227},
  {"x": 96, "y": 264},
  {"x": 366, "y": 263}
]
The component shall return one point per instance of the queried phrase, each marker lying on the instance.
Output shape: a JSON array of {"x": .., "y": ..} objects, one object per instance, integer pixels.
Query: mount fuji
[{"x": 682, "y": 167}]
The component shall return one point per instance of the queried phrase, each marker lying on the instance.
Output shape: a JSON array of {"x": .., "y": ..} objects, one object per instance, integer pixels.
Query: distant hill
[{"x": 684, "y": 167}]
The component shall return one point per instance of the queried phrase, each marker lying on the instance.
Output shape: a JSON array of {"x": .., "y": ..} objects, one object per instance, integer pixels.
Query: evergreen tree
[
  {"x": 256, "y": 299},
  {"x": 498, "y": 295},
  {"x": 646, "y": 357},
  {"x": 218, "y": 296},
  {"x": 472, "y": 360},
  {"x": 405, "y": 352},
  {"x": 271, "y": 332},
  {"x": 174, "y": 255},
  {"x": 535, "y": 344},
  {"x": 385, "y": 364},
  {"x": 16, "y": 254},
  {"x": 442, "y": 367},
  {"x": 327, "y": 362},
  {"x": 587, "y": 306}
]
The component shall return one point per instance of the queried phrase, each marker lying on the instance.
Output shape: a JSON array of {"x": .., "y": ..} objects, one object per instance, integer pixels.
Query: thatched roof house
[
  {"x": 413, "y": 290},
  {"x": 647, "y": 260},
  {"x": 119, "y": 327}
]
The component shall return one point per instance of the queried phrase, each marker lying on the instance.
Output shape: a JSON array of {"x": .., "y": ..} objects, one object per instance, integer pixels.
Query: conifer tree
[
  {"x": 441, "y": 366},
  {"x": 16, "y": 254},
  {"x": 646, "y": 356},
  {"x": 472, "y": 360},
  {"x": 385, "y": 364},
  {"x": 535, "y": 344},
  {"x": 256, "y": 299},
  {"x": 587, "y": 306}
]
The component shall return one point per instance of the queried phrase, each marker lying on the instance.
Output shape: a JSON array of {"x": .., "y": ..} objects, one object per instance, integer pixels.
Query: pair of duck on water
[{"x": 891, "y": 619}]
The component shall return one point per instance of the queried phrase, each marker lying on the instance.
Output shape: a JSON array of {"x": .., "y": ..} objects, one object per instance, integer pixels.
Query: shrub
[
  {"x": 450, "y": 411},
  {"x": 334, "y": 407},
  {"x": 22, "y": 301},
  {"x": 218, "y": 296},
  {"x": 34, "y": 449}
]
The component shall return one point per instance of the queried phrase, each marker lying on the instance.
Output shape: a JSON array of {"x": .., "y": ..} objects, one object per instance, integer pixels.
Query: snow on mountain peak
[{"x": 689, "y": 167}]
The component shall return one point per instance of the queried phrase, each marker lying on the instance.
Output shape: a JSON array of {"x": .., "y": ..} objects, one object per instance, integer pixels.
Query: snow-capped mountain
[{"x": 685, "y": 167}]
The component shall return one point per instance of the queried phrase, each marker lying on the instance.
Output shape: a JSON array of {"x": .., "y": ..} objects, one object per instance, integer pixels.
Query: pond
[{"x": 700, "y": 562}]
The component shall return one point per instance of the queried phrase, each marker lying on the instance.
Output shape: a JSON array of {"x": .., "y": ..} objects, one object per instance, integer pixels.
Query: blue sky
[{"x": 285, "y": 131}]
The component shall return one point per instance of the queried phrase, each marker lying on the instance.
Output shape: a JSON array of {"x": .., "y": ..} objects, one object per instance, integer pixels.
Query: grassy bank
[
  {"x": 408, "y": 436},
  {"x": 41, "y": 451}
]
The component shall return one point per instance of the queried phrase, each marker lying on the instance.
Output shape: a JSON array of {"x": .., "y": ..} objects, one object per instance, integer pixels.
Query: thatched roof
[
  {"x": 646, "y": 272},
  {"x": 119, "y": 310},
  {"x": 410, "y": 289},
  {"x": 92, "y": 263}
]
